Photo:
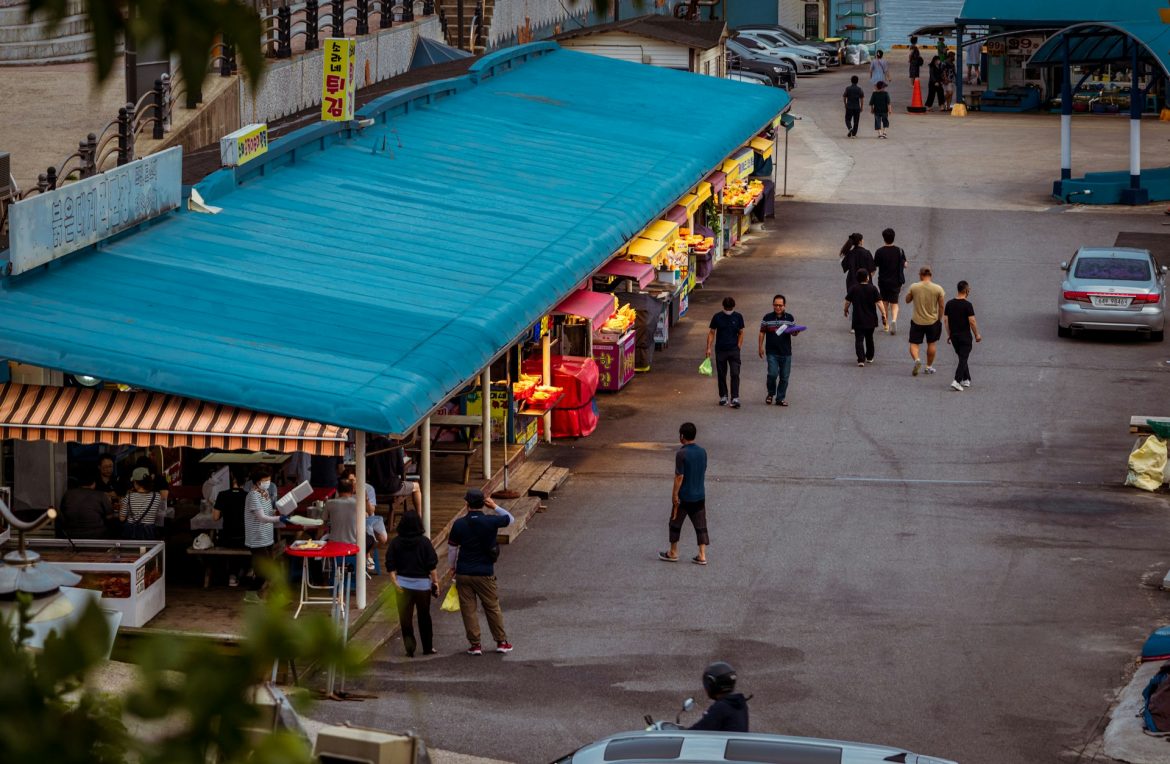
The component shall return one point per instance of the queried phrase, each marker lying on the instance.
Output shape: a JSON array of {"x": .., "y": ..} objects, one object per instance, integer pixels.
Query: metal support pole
[
  {"x": 960, "y": 74},
  {"x": 359, "y": 567},
  {"x": 284, "y": 32},
  {"x": 485, "y": 389},
  {"x": 459, "y": 24},
  {"x": 424, "y": 472},
  {"x": 1135, "y": 194},
  {"x": 312, "y": 24},
  {"x": 546, "y": 374},
  {"x": 159, "y": 106},
  {"x": 1066, "y": 110},
  {"x": 337, "y": 18},
  {"x": 363, "y": 17},
  {"x": 386, "y": 17},
  {"x": 785, "y": 194},
  {"x": 125, "y": 134}
]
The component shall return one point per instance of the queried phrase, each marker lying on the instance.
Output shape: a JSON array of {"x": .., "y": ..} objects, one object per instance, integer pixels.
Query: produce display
[
  {"x": 545, "y": 396},
  {"x": 524, "y": 388},
  {"x": 113, "y": 585},
  {"x": 308, "y": 544},
  {"x": 620, "y": 321},
  {"x": 741, "y": 193},
  {"x": 698, "y": 243}
]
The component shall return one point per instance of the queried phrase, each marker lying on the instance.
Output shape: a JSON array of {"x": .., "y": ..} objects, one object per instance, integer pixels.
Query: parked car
[
  {"x": 778, "y": 41},
  {"x": 1113, "y": 289},
  {"x": 742, "y": 747},
  {"x": 833, "y": 50},
  {"x": 742, "y": 58},
  {"x": 801, "y": 63},
  {"x": 752, "y": 78}
]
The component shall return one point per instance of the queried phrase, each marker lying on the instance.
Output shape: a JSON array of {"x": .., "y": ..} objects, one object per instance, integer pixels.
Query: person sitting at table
[
  {"x": 260, "y": 521},
  {"x": 229, "y": 507},
  {"x": 341, "y": 517},
  {"x": 86, "y": 513},
  {"x": 412, "y": 563},
  {"x": 376, "y": 533}
]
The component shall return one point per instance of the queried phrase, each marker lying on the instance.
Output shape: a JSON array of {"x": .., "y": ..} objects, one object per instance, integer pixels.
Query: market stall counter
[
  {"x": 575, "y": 415},
  {"x": 129, "y": 574}
]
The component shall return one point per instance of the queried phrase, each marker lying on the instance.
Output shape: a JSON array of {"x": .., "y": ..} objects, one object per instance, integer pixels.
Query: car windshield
[
  {"x": 748, "y": 42},
  {"x": 1112, "y": 269}
]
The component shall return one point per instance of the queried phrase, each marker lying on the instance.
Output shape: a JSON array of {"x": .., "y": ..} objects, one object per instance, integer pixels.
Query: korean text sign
[
  {"x": 53, "y": 224},
  {"x": 337, "y": 84}
]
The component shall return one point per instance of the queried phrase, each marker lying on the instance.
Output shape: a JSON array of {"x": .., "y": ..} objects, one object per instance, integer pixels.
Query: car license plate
[{"x": 1102, "y": 301}]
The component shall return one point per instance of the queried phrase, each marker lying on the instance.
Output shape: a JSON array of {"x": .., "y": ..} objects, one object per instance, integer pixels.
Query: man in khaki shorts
[{"x": 926, "y": 323}]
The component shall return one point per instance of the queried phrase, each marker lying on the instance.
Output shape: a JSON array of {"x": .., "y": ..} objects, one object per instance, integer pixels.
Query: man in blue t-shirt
[
  {"x": 472, "y": 550},
  {"x": 726, "y": 337},
  {"x": 690, "y": 495}
]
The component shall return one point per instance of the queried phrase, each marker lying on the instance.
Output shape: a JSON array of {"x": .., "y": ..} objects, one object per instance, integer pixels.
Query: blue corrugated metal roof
[
  {"x": 358, "y": 277},
  {"x": 1061, "y": 13},
  {"x": 1105, "y": 43}
]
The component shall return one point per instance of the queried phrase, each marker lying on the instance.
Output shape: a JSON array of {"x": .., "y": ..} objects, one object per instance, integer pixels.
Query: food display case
[{"x": 129, "y": 574}]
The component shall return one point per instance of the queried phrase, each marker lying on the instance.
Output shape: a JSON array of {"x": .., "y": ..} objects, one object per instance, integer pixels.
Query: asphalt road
[{"x": 961, "y": 574}]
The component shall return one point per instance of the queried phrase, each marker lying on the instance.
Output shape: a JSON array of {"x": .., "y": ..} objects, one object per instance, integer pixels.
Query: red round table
[{"x": 338, "y": 598}]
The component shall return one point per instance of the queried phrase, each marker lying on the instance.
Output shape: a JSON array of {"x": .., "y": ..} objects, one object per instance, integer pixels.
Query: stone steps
[
  {"x": 74, "y": 47},
  {"x": 38, "y": 31},
  {"x": 13, "y": 11}
]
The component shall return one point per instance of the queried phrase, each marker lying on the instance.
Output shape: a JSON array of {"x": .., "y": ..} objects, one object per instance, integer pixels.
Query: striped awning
[{"x": 86, "y": 415}]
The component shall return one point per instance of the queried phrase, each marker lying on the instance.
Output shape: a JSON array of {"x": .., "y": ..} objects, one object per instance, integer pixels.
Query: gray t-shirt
[{"x": 341, "y": 517}]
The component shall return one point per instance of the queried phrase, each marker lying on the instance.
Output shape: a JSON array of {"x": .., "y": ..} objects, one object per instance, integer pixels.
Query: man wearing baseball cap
[{"x": 472, "y": 550}]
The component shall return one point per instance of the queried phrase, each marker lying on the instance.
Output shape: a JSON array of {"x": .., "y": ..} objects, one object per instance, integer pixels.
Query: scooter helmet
[{"x": 718, "y": 679}]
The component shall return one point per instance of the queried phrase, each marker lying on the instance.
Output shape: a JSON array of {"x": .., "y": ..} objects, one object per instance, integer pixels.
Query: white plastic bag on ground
[{"x": 1147, "y": 462}]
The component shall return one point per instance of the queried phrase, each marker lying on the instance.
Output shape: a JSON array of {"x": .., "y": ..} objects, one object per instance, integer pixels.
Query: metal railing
[{"x": 289, "y": 21}]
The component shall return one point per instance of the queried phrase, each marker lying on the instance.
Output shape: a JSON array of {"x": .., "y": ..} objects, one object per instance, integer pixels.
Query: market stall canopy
[
  {"x": 362, "y": 274},
  {"x": 1049, "y": 13},
  {"x": 1107, "y": 43},
  {"x": 716, "y": 181},
  {"x": 595, "y": 307},
  {"x": 93, "y": 415},
  {"x": 645, "y": 250},
  {"x": 643, "y": 273}
]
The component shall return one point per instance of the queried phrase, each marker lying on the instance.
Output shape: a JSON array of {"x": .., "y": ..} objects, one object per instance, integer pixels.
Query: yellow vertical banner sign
[{"x": 337, "y": 84}]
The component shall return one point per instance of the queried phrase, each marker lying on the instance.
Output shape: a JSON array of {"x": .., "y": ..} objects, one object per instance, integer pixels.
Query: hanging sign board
[
  {"x": 53, "y": 224},
  {"x": 243, "y": 145},
  {"x": 337, "y": 83}
]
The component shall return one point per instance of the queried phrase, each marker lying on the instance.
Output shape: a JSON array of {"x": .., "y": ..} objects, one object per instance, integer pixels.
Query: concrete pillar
[
  {"x": 359, "y": 573},
  {"x": 485, "y": 388},
  {"x": 424, "y": 473}
]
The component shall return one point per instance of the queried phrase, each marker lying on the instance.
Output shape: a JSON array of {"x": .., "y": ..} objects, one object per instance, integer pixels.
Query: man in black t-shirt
[
  {"x": 866, "y": 302},
  {"x": 726, "y": 337},
  {"x": 959, "y": 318},
  {"x": 891, "y": 267},
  {"x": 854, "y": 97},
  {"x": 776, "y": 346}
]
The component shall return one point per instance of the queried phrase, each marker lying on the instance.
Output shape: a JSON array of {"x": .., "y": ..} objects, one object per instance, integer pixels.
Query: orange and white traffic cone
[{"x": 916, "y": 106}]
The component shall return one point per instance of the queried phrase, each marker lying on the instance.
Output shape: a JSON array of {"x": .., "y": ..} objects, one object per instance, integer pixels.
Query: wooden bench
[
  {"x": 206, "y": 555},
  {"x": 1138, "y": 426}
]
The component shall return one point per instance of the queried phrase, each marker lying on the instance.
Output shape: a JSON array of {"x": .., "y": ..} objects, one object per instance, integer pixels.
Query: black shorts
[
  {"x": 919, "y": 333},
  {"x": 890, "y": 293}
]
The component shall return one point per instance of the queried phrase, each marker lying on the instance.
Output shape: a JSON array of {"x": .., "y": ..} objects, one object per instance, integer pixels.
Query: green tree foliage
[
  {"x": 186, "y": 28},
  {"x": 193, "y": 696}
]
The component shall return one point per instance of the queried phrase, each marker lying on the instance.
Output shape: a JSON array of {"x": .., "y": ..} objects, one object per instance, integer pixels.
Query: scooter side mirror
[{"x": 688, "y": 704}]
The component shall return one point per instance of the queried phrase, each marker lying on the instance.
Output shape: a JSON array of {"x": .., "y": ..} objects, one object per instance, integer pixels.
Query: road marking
[{"x": 831, "y": 169}]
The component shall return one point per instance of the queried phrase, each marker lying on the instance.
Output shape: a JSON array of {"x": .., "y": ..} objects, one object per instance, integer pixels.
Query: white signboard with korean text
[{"x": 53, "y": 224}]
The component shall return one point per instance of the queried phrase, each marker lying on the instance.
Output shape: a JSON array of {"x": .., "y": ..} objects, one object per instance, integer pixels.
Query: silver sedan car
[
  {"x": 1113, "y": 289},
  {"x": 693, "y": 747}
]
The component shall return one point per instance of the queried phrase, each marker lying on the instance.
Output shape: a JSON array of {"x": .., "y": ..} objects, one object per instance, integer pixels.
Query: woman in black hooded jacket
[{"x": 411, "y": 560}]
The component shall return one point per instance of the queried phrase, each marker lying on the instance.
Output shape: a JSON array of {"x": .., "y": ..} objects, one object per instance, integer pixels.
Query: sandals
[
  {"x": 665, "y": 557},
  {"x": 782, "y": 403},
  {"x": 698, "y": 561},
  {"x": 768, "y": 400}
]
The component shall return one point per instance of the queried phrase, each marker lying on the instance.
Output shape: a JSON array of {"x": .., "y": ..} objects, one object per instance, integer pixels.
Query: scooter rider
[{"x": 729, "y": 712}]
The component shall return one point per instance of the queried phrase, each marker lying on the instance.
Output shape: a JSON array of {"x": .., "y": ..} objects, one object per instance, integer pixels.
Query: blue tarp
[
  {"x": 428, "y": 51},
  {"x": 359, "y": 277}
]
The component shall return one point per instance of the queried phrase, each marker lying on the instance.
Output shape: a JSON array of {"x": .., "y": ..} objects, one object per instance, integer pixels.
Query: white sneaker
[
  {"x": 966, "y": 383},
  {"x": 956, "y": 386},
  {"x": 233, "y": 581},
  {"x": 929, "y": 370}
]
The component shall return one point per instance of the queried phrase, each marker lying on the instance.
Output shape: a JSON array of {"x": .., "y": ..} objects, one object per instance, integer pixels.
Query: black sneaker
[
  {"x": 735, "y": 403},
  {"x": 723, "y": 401}
]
